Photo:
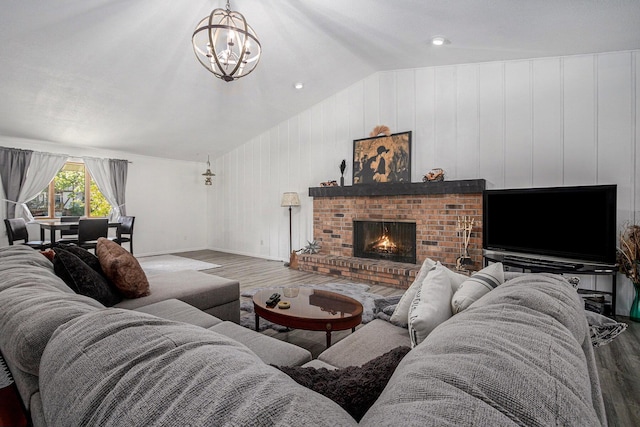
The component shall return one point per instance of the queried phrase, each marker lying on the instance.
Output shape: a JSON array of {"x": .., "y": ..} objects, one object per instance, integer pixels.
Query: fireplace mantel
[{"x": 467, "y": 186}]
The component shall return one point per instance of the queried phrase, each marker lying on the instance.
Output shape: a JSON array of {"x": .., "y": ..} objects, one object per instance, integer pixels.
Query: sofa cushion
[
  {"x": 83, "y": 279},
  {"x": 519, "y": 356},
  {"x": 10, "y": 277},
  {"x": 476, "y": 286},
  {"x": 179, "y": 311},
  {"x": 354, "y": 388},
  {"x": 431, "y": 305},
  {"x": 122, "y": 268},
  {"x": 271, "y": 351},
  {"x": 196, "y": 288},
  {"x": 369, "y": 341},
  {"x": 123, "y": 368},
  {"x": 24, "y": 255},
  {"x": 29, "y": 314}
]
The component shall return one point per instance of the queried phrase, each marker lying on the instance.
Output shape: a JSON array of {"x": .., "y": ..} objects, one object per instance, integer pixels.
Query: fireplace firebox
[{"x": 385, "y": 240}]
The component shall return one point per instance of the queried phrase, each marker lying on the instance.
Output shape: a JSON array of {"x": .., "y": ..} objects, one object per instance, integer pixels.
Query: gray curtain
[
  {"x": 118, "y": 169},
  {"x": 14, "y": 164}
]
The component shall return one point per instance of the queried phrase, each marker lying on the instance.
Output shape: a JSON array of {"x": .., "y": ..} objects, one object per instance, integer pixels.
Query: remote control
[{"x": 273, "y": 300}]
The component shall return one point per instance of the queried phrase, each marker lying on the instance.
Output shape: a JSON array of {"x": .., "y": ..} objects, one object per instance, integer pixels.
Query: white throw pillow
[
  {"x": 456, "y": 279},
  {"x": 401, "y": 313},
  {"x": 431, "y": 305},
  {"x": 476, "y": 286}
]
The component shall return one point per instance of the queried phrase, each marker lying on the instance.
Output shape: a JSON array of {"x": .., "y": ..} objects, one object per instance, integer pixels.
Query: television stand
[{"x": 536, "y": 265}]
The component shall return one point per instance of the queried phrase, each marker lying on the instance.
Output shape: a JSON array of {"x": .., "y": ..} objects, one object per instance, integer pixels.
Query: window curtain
[
  {"x": 14, "y": 164},
  {"x": 111, "y": 180},
  {"x": 43, "y": 168},
  {"x": 119, "y": 169}
]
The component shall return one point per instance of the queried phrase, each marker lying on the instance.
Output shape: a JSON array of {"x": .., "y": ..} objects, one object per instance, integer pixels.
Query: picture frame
[{"x": 382, "y": 159}]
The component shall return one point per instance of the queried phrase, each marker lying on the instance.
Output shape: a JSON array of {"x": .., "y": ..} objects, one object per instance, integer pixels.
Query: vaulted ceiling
[{"x": 122, "y": 75}]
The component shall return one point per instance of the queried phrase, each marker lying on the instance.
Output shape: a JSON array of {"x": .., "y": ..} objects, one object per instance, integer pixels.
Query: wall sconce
[{"x": 208, "y": 174}]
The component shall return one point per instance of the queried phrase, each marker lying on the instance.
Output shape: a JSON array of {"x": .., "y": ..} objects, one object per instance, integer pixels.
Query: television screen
[{"x": 576, "y": 223}]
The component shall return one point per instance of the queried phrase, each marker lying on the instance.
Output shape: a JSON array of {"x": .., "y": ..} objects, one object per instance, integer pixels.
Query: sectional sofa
[{"x": 521, "y": 355}]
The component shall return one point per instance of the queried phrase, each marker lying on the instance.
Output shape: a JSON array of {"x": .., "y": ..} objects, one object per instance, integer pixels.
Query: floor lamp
[{"x": 289, "y": 200}]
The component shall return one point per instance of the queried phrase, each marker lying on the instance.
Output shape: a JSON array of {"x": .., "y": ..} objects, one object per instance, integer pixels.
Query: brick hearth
[{"x": 435, "y": 207}]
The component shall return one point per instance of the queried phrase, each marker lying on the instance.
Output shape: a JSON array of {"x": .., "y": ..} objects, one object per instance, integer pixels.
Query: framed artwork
[{"x": 382, "y": 159}]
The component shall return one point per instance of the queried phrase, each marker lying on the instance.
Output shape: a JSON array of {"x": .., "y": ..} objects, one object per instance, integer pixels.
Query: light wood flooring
[{"x": 618, "y": 362}]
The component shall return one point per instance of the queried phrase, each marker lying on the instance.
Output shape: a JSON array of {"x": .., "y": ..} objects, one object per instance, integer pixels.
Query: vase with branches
[{"x": 629, "y": 264}]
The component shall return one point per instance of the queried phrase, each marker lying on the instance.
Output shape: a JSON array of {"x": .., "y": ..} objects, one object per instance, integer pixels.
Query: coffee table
[{"x": 311, "y": 310}]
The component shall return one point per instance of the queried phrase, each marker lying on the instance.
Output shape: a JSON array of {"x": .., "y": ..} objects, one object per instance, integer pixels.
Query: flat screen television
[{"x": 574, "y": 223}]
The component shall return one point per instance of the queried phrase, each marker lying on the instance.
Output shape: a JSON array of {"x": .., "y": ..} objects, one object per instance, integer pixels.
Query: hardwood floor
[{"x": 618, "y": 362}]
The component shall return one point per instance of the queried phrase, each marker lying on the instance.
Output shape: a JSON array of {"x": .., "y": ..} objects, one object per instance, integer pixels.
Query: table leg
[
  {"x": 257, "y": 322},
  {"x": 52, "y": 235},
  {"x": 328, "y": 339}
]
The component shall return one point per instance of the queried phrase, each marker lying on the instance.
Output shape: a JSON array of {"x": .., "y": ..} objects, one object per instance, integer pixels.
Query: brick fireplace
[{"x": 434, "y": 207}]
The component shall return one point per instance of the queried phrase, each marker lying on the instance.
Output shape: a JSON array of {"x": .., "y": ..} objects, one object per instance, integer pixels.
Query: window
[{"x": 71, "y": 193}]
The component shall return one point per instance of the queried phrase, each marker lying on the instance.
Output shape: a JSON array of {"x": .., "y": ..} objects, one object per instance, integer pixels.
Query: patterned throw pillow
[
  {"x": 431, "y": 306},
  {"x": 122, "y": 268},
  {"x": 476, "y": 286}
]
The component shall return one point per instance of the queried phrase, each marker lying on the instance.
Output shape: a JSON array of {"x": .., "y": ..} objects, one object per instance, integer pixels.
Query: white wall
[
  {"x": 542, "y": 122},
  {"x": 167, "y": 197}
]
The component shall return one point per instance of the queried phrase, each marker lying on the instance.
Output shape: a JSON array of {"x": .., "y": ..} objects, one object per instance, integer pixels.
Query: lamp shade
[{"x": 290, "y": 199}]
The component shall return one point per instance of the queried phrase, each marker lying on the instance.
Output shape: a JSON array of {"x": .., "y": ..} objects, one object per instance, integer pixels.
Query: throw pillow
[
  {"x": 476, "y": 286},
  {"x": 355, "y": 388},
  {"x": 431, "y": 306},
  {"x": 83, "y": 279},
  {"x": 122, "y": 269},
  {"x": 48, "y": 254},
  {"x": 401, "y": 313},
  {"x": 602, "y": 329},
  {"x": 87, "y": 257}
]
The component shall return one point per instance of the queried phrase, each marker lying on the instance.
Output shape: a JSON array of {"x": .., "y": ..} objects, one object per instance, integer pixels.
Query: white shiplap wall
[{"x": 541, "y": 122}]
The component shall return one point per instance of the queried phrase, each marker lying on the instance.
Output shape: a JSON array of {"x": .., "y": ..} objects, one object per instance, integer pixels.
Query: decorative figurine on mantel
[
  {"x": 465, "y": 226},
  {"x": 433, "y": 175},
  {"x": 380, "y": 130},
  {"x": 343, "y": 166}
]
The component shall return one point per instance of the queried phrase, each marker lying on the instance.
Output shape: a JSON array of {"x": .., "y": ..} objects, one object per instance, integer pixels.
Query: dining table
[{"x": 54, "y": 225}]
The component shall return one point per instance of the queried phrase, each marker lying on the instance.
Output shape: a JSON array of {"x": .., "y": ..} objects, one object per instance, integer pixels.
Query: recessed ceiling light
[
  {"x": 298, "y": 86},
  {"x": 439, "y": 41}
]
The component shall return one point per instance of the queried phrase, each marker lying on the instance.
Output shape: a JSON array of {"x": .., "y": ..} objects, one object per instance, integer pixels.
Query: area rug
[
  {"x": 153, "y": 265},
  {"x": 374, "y": 306}
]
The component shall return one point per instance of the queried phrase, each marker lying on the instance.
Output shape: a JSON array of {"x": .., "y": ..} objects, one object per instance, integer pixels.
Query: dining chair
[
  {"x": 70, "y": 235},
  {"x": 125, "y": 230},
  {"x": 17, "y": 230},
  {"x": 90, "y": 230}
]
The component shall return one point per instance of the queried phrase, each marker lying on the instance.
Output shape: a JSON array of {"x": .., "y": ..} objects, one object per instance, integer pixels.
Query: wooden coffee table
[{"x": 311, "y": 310}]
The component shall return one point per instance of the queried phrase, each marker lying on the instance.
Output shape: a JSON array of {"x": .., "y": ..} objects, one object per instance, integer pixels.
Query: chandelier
[
  {"x": 226, "y": 45},
  {"x": 208, "y": 174}
]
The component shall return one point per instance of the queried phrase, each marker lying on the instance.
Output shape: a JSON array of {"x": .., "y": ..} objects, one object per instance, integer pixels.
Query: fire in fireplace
[{"x": 387, "y": 240}]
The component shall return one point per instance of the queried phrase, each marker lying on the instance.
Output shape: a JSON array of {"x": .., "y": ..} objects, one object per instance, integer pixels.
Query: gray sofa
[
  {"x": 521, "y": 355},
  {"x": 34, "y": 302}
]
